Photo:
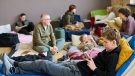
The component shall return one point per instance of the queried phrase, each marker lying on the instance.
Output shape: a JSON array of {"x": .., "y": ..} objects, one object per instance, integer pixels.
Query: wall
[
  {"x": 120, "y": 2},
  {"x": 9, "y": 9}
]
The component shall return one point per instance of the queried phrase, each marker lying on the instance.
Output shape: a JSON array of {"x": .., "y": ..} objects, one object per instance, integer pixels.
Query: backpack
[{"x": 8, "y": 39}]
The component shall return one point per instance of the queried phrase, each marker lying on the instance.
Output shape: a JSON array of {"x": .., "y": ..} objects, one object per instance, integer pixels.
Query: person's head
[
  {"x": 84, "y": 38},
  {"x": 111, "y": 39},
  {"x": 45, "y": 19},
  {"x": 22, "y": 17},
  {"x": 123, "y": 13},
  {"x": 109, "y": 9},
  {"x": 72, "y": 8}
]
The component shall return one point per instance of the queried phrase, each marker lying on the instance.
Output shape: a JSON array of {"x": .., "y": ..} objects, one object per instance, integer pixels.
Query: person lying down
[
  {"x": 87, "y": 45},
  {"x": 104, "y": 64}
]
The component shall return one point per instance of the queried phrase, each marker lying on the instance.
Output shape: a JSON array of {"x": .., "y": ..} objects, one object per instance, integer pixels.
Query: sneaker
[
  {"x": 63, "y": 58},
  {"x": 9, "y": 59},
  {"x": 6, "y": 66}
]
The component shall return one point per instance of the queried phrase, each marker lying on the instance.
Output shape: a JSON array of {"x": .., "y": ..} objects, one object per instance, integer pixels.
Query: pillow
[
  {"x": 118, "y": 21},
  {"x": 125, "y": 65},
  {"x": 76, "y": 40},
  {"x": 5, "y": 28},
  {"x": 100, "y": 17},
  {"x": 125, "y": 52},
  {"x": 112, "y": 24},
  {"x": 132, "y": 42}
]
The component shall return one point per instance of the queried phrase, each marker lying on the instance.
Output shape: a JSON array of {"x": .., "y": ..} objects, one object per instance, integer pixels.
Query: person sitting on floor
[
  {"x": 69, "y": 15},
  {"x": 23, "y": 25},
  {"x": 69, "y": 21},
  {"x": 111, "y": 15},
  {"x": 98, "y": 25},
  {"x": 44, "y": 41},
  {"x": 128, "y": 22},
  {"x": 103, "y": 64}
]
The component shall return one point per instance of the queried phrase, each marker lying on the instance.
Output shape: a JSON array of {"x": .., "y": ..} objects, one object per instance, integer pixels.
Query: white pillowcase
[
  {"x": 76, "y": 40},
  {"x": 5, "y": 28},
  {"x": 100, "y": 17}
]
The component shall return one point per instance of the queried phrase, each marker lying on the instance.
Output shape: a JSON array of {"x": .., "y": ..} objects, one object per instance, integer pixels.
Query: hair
[
  {"x": 42, "y": 15},
  {"x": 81, "y": 37},
  {"x": 112, "y": 34},
  {"x": 22, "y": 14},
  {"x": 71, "y": 7},
  {"x": 110, "y": 8},
  {"x": 124, "y": 11}
]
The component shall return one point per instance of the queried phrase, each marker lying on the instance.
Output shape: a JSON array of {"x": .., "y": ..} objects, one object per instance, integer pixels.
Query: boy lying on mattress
[{"x": 103, "y": 64}]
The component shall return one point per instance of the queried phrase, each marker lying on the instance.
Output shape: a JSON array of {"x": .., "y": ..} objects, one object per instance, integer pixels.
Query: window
[{"x": 132, "y": 2}]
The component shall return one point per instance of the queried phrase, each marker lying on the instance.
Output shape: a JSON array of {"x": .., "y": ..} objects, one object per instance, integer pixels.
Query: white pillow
[
  {"x": 76, "y": 40},
  {"x": 5, "y": 28},
  {"x": 100, "y": 17}
]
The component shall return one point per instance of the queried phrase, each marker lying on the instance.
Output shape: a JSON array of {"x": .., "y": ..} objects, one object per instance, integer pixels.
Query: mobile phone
[{"x": 86, "y": 56}]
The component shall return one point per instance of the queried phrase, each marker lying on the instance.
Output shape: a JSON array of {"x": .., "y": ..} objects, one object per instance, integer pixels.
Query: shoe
[
  {"x": 6, "y": 66},
  {"x": 9, "y": 59},
  {"x": 63, "y": 58}
]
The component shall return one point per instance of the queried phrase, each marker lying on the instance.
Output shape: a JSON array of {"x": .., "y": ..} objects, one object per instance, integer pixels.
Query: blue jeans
[
  {"x": 48, "y": 67},
  {"x": 60, "y": 43}
]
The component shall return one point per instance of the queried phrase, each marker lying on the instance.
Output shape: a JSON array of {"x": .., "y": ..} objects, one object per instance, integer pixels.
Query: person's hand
[
  {"x": 85, "y": 56},
  {"x": 91, "y": 64},
  {"x": 25, "y": 25},
  {"x": 53, "y": 50},
  {"x": 17, "y": 28}
]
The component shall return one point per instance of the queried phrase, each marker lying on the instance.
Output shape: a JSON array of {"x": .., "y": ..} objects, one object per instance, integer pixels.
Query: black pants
[
  {"x": 99, "y": 25},
  {"x": 28, "y": 58},
  {"x": 28, "y": 29}
]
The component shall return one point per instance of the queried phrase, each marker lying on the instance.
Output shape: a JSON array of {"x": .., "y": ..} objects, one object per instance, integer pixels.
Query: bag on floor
[{"x": 8, "y": 39}]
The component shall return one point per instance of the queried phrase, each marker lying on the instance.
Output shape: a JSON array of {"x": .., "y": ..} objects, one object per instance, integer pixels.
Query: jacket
[{"x": 42, "y": 37}]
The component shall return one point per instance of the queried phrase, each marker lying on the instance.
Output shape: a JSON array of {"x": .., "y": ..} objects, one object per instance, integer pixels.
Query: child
[{"x": 87, "y": 43}]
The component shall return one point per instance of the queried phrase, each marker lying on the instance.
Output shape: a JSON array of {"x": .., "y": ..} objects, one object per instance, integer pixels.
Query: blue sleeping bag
[{"x": 22, "y": 74}]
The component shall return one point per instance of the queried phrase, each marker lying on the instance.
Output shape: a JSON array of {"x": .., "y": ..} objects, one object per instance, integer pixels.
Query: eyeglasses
[{"x": 46, "y": 19}]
